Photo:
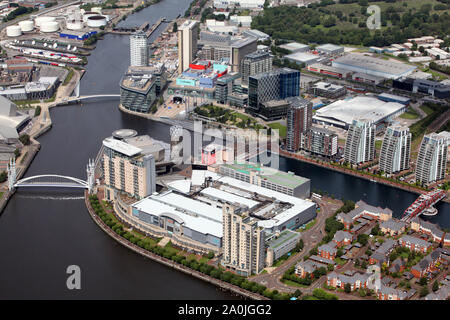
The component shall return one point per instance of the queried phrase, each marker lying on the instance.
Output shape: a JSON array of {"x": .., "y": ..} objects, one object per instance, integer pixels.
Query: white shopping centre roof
[
  {"x": 229, "y": 197},
  {"x": 197, "y": 223},
  {"x": 299, "y": 205},
  {"x": 191, "y": 205}
]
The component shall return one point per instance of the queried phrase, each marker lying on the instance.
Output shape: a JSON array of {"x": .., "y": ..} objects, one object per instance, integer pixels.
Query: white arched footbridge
[{"x": 51, "y": 180}]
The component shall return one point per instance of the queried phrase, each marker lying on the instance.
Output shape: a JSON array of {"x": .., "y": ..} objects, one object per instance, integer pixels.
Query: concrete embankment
[
  {"x": 354, "y": 173},
  {"x": 167, "y": 262}
]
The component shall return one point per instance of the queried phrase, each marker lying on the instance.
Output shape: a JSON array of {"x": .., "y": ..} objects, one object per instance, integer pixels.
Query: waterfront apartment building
[
  {"x": 138, "y": 89},
  {"x": 255, "y": 63},
  {"x": 243, "y": 241},
  {"x": 299, "y": 121},
  {"x": 319, "y": 141},
  {"x": 360, "y": 142},
  {"x": 273, "y": 85},
  {"x": 432, "y": 158},
  {"x": 187, "y": 44},
  {"x": 127, "y": 168},
  {"x": 138, "y": 49},
  {"x": 395, "y": 149},
  {"x": 266, "y": 177}
]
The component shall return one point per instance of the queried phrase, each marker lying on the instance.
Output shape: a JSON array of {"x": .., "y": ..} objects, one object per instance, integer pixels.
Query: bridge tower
[
  {"x": 176, "y": 144},
  {"x": 11, "y": 168},
  {"x": 90, "y": 171}
]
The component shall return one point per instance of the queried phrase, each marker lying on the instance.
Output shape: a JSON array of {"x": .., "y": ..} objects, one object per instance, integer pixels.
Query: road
[{"x": 310, "y": 238}]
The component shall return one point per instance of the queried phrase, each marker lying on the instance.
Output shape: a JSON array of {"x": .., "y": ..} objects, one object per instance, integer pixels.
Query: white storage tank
[
  {"x": 88, "y": 14},
  {"x": 74, "y": 25},
  {"x": 49, "y": 26},
  {"x": 26, "y": 25},
  {"x": 39, "y": 20},
  {"x": 13, "y": 31},
  {"x": 96, "y": 21}
]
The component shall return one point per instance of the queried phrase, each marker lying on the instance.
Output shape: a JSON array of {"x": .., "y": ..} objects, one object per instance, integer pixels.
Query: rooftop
[{"x": 375, "y": 64}]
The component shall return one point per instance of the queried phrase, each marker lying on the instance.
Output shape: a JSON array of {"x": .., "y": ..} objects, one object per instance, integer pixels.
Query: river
[{"x": 44, "y": 231}]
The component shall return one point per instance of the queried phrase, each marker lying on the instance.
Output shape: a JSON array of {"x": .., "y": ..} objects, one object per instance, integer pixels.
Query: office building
[
  {"x": 433, "y": 88},
  {"x": 12, "y": 121},
  {"x": 319, "y": 141},
  {"x": 128, "y": 169},
  {"x": 255, "y": 63},
  {"x": 279, "y": 244},
  {"x": 395, "y": 149},
  {"x": 239, "y": 49},
  {"x": 299, "y": 121},
  {"x": 432, "y": 159},
  {"x": 187, "y": 44},
  {"x": 214, "y": 46},
  {"x": 243, "y": 241},
  {"x": 360, "y": 142},
  {"x": 138, "y": 49},
  {"x": 274, "y": 85},
  {"x": 138, "y": 89},
  {"x": 328, "y": 90},
  {"x": 273, "y": 109}
]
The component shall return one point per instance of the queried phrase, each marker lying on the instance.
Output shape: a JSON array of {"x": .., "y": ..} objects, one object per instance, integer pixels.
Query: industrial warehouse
[{"x": 373, "y": 66}]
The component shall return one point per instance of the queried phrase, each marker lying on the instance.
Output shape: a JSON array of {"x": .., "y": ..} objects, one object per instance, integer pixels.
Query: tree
[
  {"x": 423, "y": 281},
  {"x": 347, "y": 288},
  {"x": 435, "y": 286},
  {"x": 362, "y": 239},
  {"x": 25, "y": 139},
  {"x": 424, "y": 291},
  {"x": 297, "y": 293},
  {"x": 175, "y": 27},
  {"x": 3, "y": 176}
]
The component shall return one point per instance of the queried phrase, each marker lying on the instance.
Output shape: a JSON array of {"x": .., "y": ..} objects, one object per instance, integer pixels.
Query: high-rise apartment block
[
  {"x": 243, "y": 241},
  {"x": 432, "y": 158},
  {"x": 128, "y": 169},
  {"x": 395, "y": 150},
  {"x": 360, "y": 142},
  {"x": 255, "y": 63},
  {"x": 274, "y": 85},
  {"x": 299, "y": 121},
  {"x": 319, "y": 141},
  {"x": 187, "y": 44},
  {"x": 138, "y": 49}
]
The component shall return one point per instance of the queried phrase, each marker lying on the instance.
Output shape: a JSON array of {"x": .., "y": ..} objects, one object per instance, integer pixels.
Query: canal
[{"x": 44, "y": 231}]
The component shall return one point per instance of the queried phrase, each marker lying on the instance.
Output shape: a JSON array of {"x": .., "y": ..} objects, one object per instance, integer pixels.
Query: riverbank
[
  {"x": 167, "y": 262},
  {"x": 355, "y": 173}
]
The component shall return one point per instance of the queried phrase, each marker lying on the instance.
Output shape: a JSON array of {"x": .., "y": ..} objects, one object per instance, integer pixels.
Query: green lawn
[
  {"x": 340, "y": 261},
  {"x": 411, "y": 114},
  {"x": 426, "y": 109},
  {"x": 281, "y": 128},
  {"x": 308, "y": 226},
  {"x": 294, "y": 284},
  {"x": 378, "y": 144}
]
